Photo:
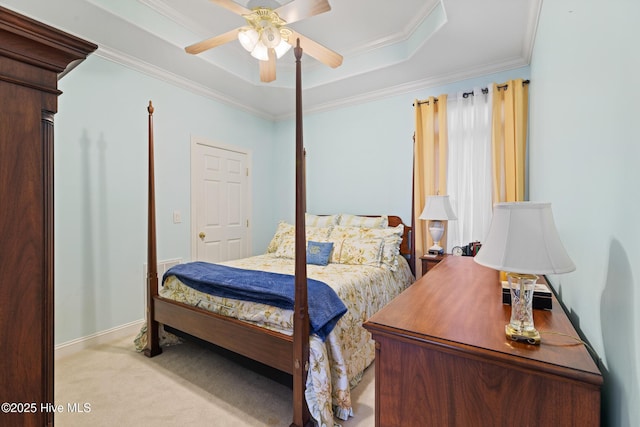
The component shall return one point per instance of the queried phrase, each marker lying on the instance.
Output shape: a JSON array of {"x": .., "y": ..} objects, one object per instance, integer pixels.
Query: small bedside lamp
[
  {"x": 523, "y": 241},
  {"x": 436, "y": 210}
]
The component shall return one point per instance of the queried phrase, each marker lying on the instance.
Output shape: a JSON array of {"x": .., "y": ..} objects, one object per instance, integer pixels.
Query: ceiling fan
[{"x": 266, "y": 36}]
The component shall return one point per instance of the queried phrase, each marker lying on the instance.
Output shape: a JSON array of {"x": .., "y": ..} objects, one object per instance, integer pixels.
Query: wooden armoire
[{"x": 32, "y": 58}]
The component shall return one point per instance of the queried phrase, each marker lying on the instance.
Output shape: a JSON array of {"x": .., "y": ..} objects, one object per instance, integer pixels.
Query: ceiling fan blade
[
  {"x": 300, "y": 9},
  {"x": 216, "y": 41},
  {"x": 316, "y": 50},
  {"x": 268, "y": 68},
  {"x": 232, "y": 6}
]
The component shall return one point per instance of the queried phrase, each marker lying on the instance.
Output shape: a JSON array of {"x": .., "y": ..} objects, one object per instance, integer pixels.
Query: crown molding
[
  {"x": 413, "y": 86},
  {"x": 532, "y": 29},
  {"x": 136, "y": 64}
]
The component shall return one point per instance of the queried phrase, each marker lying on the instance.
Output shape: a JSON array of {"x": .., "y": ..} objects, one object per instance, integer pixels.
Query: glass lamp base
[
  {"x": 521, "y": 327},
  {"x": 532, "y": 337}
]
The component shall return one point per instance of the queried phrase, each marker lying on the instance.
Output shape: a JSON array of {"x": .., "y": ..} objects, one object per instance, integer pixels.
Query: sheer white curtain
[{"x": 469, "y": 170}]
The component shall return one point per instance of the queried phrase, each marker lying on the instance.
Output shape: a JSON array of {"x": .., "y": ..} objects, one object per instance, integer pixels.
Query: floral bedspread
[{"x": 336, "y": 365}]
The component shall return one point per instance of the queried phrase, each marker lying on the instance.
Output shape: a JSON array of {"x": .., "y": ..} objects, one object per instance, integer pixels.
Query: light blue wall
[
  {"x": 584, "y": 153},
  {"x": 101, "y": 187}
]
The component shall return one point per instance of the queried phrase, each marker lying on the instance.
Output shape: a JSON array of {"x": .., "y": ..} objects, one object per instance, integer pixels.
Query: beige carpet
[{"x": 186, "y": 385}]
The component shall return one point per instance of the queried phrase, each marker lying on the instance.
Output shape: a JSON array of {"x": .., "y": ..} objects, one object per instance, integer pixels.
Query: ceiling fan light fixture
[
  {"x": 248, "y": 38},
  {"x": 260, "y": 51},
  {"x": 270, "y": 36},
  {"x": 282, "y": 48}
]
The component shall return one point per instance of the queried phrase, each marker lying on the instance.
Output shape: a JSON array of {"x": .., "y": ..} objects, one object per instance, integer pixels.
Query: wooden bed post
[
  {"x": 153, "y": 343},
  {"x": 414, "y": 262},
  {"x": 301, "y": 416}
]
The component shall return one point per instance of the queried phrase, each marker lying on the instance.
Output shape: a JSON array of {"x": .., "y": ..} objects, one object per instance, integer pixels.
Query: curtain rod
[{"x": 467, "y": 94}]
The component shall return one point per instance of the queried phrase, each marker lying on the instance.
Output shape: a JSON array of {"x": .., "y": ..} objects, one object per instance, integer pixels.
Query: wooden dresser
[
  {"x": 442, "y": 358},
  {"x": 32, "y": 57}
]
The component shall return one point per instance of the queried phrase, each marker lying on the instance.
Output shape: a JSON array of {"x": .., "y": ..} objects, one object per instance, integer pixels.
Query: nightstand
[{"x": 430, "y": 262}]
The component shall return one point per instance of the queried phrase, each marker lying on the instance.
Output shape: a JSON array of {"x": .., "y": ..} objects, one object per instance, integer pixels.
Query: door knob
[{"x": 202, "y": 235}]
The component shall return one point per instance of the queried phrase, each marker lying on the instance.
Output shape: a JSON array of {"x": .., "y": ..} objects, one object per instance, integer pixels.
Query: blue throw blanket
[{"x": 276, "y": 289}]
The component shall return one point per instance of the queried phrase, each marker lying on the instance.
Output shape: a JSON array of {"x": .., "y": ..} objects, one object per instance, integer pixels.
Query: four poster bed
[{"x": 295, "y": 329}]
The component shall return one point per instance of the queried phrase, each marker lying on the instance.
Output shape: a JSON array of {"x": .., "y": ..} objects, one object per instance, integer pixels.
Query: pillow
[
  {"x": 363, "y": 221},
  {"x": 287, "y": 245},
  {"x": 284, "y": 229},
  {"x": 392, "y": 237},
  {"x": 319, "y": 234},
  {"x": 320, "y": 220},
  {"x": 338, "y": 234},
  {"x": 360, "y": 252},
  {"x": 318, "y": 253}
]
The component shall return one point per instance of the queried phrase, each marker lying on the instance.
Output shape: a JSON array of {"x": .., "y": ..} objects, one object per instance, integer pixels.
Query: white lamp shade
[
  {"x": 438, "y": 208},
  {"x": 523, "y": 239},
  {"x": 248, "y": 39},
  {"x": 282, "y": 48},
  {"x": 260, "y": 52}
]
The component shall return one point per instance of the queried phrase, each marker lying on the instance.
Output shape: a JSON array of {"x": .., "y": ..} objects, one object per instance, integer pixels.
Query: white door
[{"x": 219, "y": 202}]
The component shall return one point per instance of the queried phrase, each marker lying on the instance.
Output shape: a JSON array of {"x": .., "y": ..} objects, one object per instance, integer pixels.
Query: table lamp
[
  {"x": 524, "y": 242},
  {"x": 436, "y": 210}
]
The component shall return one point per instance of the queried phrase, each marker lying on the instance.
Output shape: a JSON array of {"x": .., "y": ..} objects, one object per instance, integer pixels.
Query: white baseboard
[{"x": 70, "y": 347}]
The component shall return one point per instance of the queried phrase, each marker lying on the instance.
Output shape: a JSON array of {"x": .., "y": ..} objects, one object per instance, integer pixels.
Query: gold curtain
[
  {"x": 509, "y": 140},
  {"x": 430, "y": 166}
]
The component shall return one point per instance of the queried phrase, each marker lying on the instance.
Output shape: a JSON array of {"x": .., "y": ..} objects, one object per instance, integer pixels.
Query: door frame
[{"x": 198, "y": 140}]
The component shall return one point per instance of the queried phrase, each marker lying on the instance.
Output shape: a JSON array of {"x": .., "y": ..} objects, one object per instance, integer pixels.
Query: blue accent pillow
[{"x": 319, "y": 253}]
